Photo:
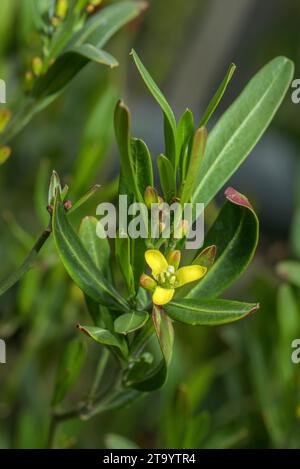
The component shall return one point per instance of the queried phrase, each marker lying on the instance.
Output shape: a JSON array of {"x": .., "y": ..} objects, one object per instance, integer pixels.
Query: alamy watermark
[
  {"x": 2, "y": 92},
  {"x": 295, "y": 357},
  {"x": 2, "y": 351},
  {"x": 296, "y": 92},
  {"x": 161, "y": 220}
]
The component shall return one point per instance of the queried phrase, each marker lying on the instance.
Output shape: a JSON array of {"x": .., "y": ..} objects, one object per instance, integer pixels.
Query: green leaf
[
  {"x": 165, "y": 333},
  {"x": 241, "y": 126},
  {"x": 167, "y": 177},
  {"x": 206, "y": 257},
  {"x": 154, "y": 377},
  {"x": 91, "y": 53},
  {"x": 208, "y": 312},
  {"x": 79, "y": 264},
  {"x": 288, "y": 316},
  {"x": 98, "y": 248},
  {"x": 103, "y": 25},
  {"x": 130, "y": 322},
  {"x": 122, "y": 251},
  {"x": 105, "y": 337},
  {"x": 122, "y": 131},
  {"x": 82, "y": 200},
  {"x": 169, "y": 118},
  {"x": 195, "y": 161},
  {"x": 68, "y": 370},
  {"x": 184, "y": 134},
  {"x": 235, "y": 234},
  {"x": 217, "y": 97},
  {"x": 114, "y": 441},
  {"x": 289, "y": 271},
  {"x": 143, "y": 164},
  {"x": 10, "y": 280},
  {"x": 66, "y": 67}
]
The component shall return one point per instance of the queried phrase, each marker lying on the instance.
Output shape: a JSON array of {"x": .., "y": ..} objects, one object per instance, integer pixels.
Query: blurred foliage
[{"x": 237, "y": 384}]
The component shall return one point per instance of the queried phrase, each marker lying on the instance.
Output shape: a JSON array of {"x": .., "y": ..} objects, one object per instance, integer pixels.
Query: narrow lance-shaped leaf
[
  {"x": 241, "y": 126},
  {"x": 122, "y": 131},
  {"x": 184, "y": 134},
  {"x": 195, "y": 161},
  {"x": 169, "y": 118},
  {"x": 208, "y": 312},
  {"x": 79, "y": 264},
  {"x": 143, "y": 164},
  {"x": 235, "y": 235},
  {"x": 67, "y": 66},
  {"x": 218, "y": 96},
  {"x": 157, "y": 374},
  {"x": 167, "y": 177},
  {"x": 102, "y": 26}
]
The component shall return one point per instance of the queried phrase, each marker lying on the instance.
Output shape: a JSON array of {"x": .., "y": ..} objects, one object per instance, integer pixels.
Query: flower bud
[
  {"x": 37, "y": 66},
  {"x": 147, "y": 282},
  {"x": 5, "y": 115},
  {"x": 54, "y": 186},
  {"x": 182, "y": 229},
  {"x": 92, "y": 5},
  {"x": 150, "y": 196},
  {"x": 173, "y": 258},
  {"x": 5, "y": 152},
  {"x": 61, "y": 8},
  {"x": 28, "y": 80}
]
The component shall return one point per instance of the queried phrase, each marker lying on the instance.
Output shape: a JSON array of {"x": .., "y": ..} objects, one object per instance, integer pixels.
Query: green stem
[{"x": 98, "y": 376}]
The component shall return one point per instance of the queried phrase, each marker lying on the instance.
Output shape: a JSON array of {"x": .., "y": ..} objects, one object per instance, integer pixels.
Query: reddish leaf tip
[{"x": 237, "y": 198}]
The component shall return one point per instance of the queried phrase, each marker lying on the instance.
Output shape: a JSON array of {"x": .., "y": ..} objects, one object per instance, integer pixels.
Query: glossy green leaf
[
  {"x": 241, "y": 126},
  {"x": 184, "y": 135},
  {"x": 195, "y": 161},
  {"x": 167, "y": 177},
  {"x": 169, "y": 119},
  {"x": 130, "y": 322},
  {"x": 143, "y": 164},
  {"x": 79, "y": 264},
  {"x": 98, "y": 248},
  {"x": 122, "y": 251},
  {"x": 208, "y": 312},
  {"x": 217, "y": 97},
  {"x": 165, "y": 333},
  {"x": 122, "y": 131},
  {"x": 105, "y": 337},
  {"x": 70, "y": 365},
  {"x": 289, "y": 271},
  {"x": 235, "y": 235}
]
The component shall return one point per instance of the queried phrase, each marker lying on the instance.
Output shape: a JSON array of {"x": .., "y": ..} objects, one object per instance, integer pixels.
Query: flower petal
[
  {"x": 189, "y": 273},
  {"x": 161, "y": 296},
  {"x": 156, "y": 261}
]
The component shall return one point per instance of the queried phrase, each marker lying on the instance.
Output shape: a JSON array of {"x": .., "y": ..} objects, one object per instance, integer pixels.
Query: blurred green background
[{"x": 230, "y": 386}]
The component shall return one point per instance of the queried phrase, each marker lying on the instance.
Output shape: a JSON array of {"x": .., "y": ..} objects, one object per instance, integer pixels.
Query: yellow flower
[{"x": 167, "y": 276}]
